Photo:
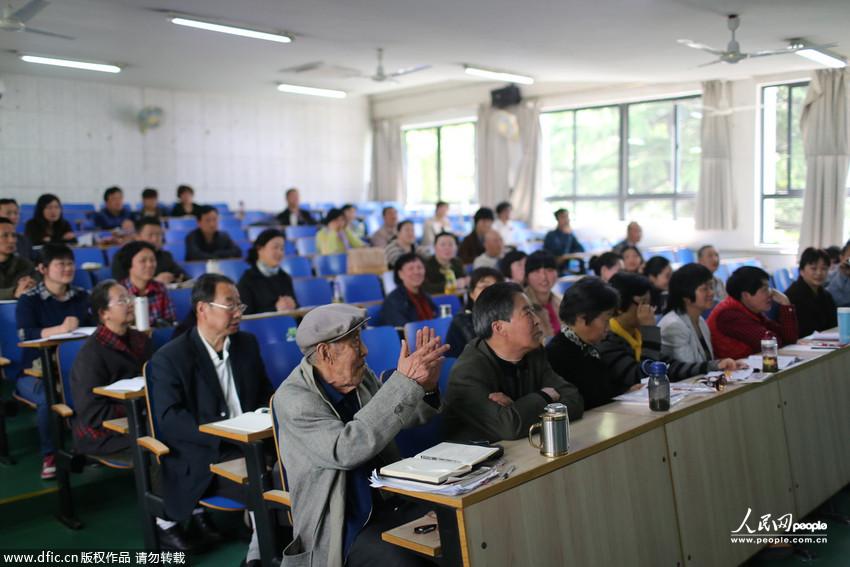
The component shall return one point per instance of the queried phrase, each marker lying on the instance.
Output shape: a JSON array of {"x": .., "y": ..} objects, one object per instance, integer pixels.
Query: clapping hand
[{"x": 423, "y": 365}]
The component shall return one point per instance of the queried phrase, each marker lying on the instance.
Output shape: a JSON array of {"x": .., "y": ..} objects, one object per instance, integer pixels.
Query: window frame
[
  {"x": 791, "y": 193},
  {"x": 439, "y": 158},
  {"x": 623, "y": 198}
]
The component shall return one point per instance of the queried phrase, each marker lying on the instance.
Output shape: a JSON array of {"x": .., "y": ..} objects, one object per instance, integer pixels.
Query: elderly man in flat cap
[{"x": 337, "y": 423}]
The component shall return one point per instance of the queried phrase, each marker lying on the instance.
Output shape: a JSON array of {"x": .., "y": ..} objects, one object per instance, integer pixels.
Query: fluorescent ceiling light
[
  {"x": 823, "y": 57},
  {"x": 299, "y": 89},
  {"x": 243, "y": 32},
  {"x": 72, "y": 64},
  {"x": 498, "y": 75}
]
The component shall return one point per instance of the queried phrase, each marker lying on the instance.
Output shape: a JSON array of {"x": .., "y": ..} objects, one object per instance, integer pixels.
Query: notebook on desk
[{"x": 441, "y": 462}]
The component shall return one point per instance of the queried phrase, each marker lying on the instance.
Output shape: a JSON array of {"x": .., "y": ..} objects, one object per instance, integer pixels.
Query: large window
[
  {"x": 441, "y": 163},
  {"x": 628, "y": 161},
  {"x": 783, "y": 163}
]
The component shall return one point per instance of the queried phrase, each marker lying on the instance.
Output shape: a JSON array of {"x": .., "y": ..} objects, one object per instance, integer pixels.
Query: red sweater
[{"x": 736, "y": 332}]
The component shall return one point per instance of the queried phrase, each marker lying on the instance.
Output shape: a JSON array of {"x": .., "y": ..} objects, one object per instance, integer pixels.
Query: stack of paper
[
  {"x": 136, "y": 384},
  {"x": 250, "y": 422},
  {"x": 755, "y": 361},
  {"x": 642, "y": 396},
  {"x": 452, "y": 487},
  {"x": 441, "y": 462}
]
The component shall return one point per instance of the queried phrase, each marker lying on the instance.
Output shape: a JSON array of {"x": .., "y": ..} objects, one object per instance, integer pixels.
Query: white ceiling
[{"x": 563, "y": 41}]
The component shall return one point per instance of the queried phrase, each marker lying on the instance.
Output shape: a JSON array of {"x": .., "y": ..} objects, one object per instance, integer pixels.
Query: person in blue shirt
[
  {"x": 114, "y": 214},
  {"x": 561, "y": 242},
  {"x": 52, "y": 307}
]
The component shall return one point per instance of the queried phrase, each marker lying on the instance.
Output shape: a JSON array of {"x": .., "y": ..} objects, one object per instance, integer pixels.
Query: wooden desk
[
  {"x": 257, "y": 482},
  {"x": 650, "y": 488},
  {"x": 134, "y": 406}
]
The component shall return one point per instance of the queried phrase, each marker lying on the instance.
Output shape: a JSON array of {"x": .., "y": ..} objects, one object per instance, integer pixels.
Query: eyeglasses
[
  {"x": 240, "y": 307},
  {"x": 128, "y": 300}
]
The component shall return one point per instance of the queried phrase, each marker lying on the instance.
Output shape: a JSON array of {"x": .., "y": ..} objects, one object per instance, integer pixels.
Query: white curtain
[
  {"x": 508, "y": 156},
  {"x": 388, "y": 183},
  {"x": 825, "y": 122},
  {"x": 715, "y": 206}
]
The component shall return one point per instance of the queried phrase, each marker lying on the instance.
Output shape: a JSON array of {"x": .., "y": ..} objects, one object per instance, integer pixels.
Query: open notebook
[{"x": 441, "y": 462}]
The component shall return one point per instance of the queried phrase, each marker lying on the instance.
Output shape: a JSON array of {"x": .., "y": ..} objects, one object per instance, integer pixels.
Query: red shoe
[{"x": 48, "y": 467}]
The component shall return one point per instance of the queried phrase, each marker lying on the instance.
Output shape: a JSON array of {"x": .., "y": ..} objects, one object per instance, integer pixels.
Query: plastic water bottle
[
  {"x": 337, "y": 297},
  {"x": 659, "y": 387},
  {"x": 769, "y": 353}
]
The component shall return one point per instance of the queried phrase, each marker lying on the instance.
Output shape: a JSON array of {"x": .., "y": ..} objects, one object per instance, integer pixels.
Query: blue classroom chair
[
  {"x": 9, "y": 339},
  {"x": 110, "y": 253},
  {"x": 782, "y": 279},
  {"x": 83, "y": 279},
  {"x": 195, "y": 268},
  {"x": 331, "y": 265},
  {"x": 67, "y": 352},
  {"x": 280, "y": 360},
  {"x": 233, "y": 268},
  {"x": 181, "y": 298},
  {"x": 289, "y": 248},
  {"x": 101, "y": 274},
  {"x": 301, "y": 231},
  {"x": 182, "y": 224},
  {"x": 440, "y": 326},
  {"x": 273, "y": 329},
  {"x": 685, "y": 256},
  {"x": 306, "y": 246},
  {"x": 384, "y": 347},
  {"x": 83, "y": 255},
  {"x": 160, "y": 336},
  {"x": 312, "y": 291},
  {"x": 360, "y": 288},
  {"x": 372, "y": 311},
  {"x": 297, "y": 266},
  {"x": 451, "y": 300},
  {"x": 177, "y": 249}
]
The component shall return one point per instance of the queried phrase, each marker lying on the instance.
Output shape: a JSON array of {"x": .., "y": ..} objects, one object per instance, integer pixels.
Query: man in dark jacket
[
  {"x": 211, "y": 373},
  {"x": 208, "y": 243},
  {"x": 293, "y": 214},
  {"x": 502, "y": 381},
  {"x": 16, "y": 273}
]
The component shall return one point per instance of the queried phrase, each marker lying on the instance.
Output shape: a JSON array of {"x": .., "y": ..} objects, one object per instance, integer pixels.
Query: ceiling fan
[
  {"x": 380, "y": 75},
  {"x": 733, "y": 53},
  {"x": 17, "y": 21},
  {"x": 320, "y": 68}
]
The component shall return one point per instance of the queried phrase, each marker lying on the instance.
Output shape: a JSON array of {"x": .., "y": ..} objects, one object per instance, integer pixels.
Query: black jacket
[
  {"x": 815, "y": 311},
  {"x": 197, "y": 248},
  {"x": 461, "y": 332},
  {"x": 260, "y": 293},
  {"x": 178, "y": 211},
  {"x": 471, "y": 416},
  {"x": 594, "y": 380},
  {"x": 185, "y": 393},
  {"x": 99, "y": 365},
  {"x": 303, "y": 217},
  {"x": 435, "y": 280}
]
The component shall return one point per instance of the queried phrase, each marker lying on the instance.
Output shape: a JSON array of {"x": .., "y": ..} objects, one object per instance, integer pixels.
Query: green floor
[{"x": 105, "y": 502}]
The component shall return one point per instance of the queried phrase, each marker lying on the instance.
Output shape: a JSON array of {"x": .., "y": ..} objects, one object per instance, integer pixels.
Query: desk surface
[
  {"x": 233, "y": 434},
  {"x": 119, "y": 394},
  {"x": 596, "y": 431}
]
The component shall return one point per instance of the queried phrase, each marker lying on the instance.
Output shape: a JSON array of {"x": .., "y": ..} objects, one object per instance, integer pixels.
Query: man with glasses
[
  {"x": 210, "y": 373},
  {"x": 502, "y": 381},
  {"x": 336, "y": 424}
]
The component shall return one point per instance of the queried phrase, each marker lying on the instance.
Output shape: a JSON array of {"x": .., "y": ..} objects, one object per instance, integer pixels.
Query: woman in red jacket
[{"x": 738, "y": 323}]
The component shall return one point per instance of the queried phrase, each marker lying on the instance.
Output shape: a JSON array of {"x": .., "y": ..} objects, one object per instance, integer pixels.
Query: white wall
[
  {"x": 75, "y": 138},
  {"x": 461, "y": 100}
]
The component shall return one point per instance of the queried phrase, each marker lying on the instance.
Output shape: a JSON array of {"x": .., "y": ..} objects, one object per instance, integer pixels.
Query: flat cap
[{"x": 327, "y": 324}]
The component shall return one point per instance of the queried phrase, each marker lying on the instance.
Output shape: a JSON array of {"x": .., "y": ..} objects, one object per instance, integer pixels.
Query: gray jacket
[
  {"x": 679, "y": 339},
  {"x": 317, "y": 448}
]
